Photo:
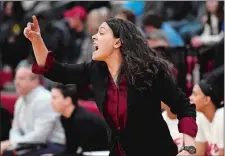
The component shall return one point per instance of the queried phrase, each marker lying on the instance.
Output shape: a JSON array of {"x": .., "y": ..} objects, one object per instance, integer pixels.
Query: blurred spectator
[
  {"x": 151, "y": 21},
  {"x": 94, "y": 19},
  {"x": 13, "y": 45},
  {"x": 76, "y": 17},
  {"x": 36, "y": 7},
  {"x": 90, "y": 5},
  {"x": 183, "y": 16},
  {"x": 83, "y": 129},
  {"x": 210, "y": 57},
  {"x": 213, "y": 27},
  {"x": 34, "y": 120},
  {"x": 56, "y": 35},
  {"x": 12, "y": 10},
  {"x": 219, "y": 54},
  {"x": 5, "y": 123},
  {"x": 127, "y": 14},
  {"x": 172, "y": 122},
  {"x": 105, "y": 12},
  {"x": 154, "y": 6},
  {"x": 137, "y": 7},
  {"x": 208, "y": 96},
  {"x": 28, "y": 5},
  {"x": 157, "y": 39}
]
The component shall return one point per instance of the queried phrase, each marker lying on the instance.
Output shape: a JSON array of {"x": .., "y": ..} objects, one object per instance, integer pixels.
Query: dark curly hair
[{"x": 141, "y": 64}]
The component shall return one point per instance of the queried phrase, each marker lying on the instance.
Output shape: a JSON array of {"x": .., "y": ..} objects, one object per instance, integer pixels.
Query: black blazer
[{"x": 146, "y": 130}]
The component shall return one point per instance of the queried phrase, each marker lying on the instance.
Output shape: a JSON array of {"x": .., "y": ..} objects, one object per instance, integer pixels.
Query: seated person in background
[
  {"x": 83, "y": 129},
  {"x": 207, "y": 95},
  {"x": 152, "y": 21},
  {"x": 172, "y": 121},
  {"x": 157, "y": 39},
  {"x": 94, "y": 19},
  {"x": 213, "y": 29},
  {"x": 126, "y": 14},
  {"x": 34, "y": 119}
]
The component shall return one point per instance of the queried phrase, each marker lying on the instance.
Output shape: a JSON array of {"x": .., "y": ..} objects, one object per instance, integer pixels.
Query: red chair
[
  {"x": 5, "y": 77},
  {"x": 90, "y": 105},
  {"x": 8, "y": 101}
]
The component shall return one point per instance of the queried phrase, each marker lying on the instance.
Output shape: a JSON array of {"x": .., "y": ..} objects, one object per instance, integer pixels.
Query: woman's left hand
[{"x": 188, "y": 141}]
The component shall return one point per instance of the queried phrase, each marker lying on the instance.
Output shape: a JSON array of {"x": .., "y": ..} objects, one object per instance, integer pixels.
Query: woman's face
[
  {"x": 9, "y": 9},
  {"x": 212, "y": 6},
  {"x": 104, "y": 43},
  {"x": 198, "y": 98}
]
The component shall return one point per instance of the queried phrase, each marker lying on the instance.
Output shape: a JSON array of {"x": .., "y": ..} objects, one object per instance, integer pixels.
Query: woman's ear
[
  {"x": 117, "y": 43},
  {"x": 208, "y": 99}
]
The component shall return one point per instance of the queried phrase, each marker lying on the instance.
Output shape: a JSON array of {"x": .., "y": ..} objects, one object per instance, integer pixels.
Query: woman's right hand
[{"x": 32, "y": 31}]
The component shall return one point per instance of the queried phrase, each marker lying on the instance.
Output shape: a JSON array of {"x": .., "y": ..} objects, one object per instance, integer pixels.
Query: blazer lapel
[
  {"x": 104, "y": 93},
  {"x": 101, "y": 85}
]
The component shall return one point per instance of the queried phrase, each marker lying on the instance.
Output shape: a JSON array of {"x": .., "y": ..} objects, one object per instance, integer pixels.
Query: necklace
[{"x": 115, "y": 79}]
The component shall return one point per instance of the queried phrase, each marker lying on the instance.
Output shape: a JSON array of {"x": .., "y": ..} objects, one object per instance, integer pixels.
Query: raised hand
[{"x": 32, "y": 31}]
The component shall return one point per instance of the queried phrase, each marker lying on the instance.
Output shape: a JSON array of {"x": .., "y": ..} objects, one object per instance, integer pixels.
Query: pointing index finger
[{"x": 35, "y": 21}]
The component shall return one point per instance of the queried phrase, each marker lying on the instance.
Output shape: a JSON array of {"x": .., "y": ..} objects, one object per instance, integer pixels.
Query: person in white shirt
[
  {"x": 172, "y": 122},
  {"x": 213, "y": 28},
  {"x": 34, "y": 119},
  {"x": 207, "y": 95},
  {"x": 210, "y": 134},
  {"x": 218, "y": 136}
]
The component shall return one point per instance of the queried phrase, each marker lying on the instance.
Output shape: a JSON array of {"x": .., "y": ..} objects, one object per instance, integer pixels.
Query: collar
[{"x": 30, "y": 96}]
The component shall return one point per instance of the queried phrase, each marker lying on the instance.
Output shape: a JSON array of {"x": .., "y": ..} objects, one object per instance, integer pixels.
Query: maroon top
[{"x": 115, "y": 107}]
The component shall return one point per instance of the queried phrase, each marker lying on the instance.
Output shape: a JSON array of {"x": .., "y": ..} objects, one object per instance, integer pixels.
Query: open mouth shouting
[{"x": 95, "y": 47}]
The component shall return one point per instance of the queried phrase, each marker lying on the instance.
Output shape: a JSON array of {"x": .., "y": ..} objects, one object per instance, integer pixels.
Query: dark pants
[
  {"x": 214, "y": 53},
  {"x": 52, "y": 148}
]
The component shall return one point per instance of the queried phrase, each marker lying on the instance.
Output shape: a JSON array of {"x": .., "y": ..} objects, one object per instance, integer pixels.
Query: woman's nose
[{"x": 94, "y": 37}]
